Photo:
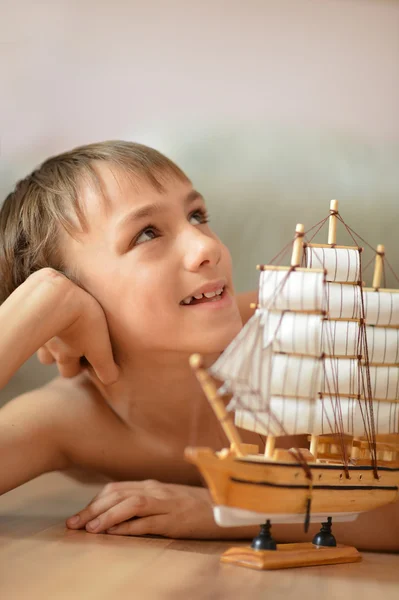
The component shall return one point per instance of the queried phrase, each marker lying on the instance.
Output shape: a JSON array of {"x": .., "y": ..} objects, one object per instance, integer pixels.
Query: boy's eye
[
  {"x": 200, "y": 216},
  {"x": 149, "y": 233}
]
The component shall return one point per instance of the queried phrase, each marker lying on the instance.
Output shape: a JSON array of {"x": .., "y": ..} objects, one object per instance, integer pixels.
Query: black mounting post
[
  {"x": 325, "y": 537},
  {"x": 264, "y": 540}
]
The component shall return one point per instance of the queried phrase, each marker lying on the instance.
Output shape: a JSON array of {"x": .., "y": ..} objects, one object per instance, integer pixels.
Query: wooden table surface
[{"x": 40, "y": 558}]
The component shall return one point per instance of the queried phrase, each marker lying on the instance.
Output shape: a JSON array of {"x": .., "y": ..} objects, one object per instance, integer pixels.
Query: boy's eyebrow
[{"x": 150, "y": 209}]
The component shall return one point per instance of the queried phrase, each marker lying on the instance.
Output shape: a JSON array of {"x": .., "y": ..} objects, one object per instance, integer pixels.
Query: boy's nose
[{"x": 200, "y": 250}]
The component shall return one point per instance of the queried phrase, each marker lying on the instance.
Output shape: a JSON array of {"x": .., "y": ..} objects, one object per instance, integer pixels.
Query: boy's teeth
[{"x": 199, "y": 296}]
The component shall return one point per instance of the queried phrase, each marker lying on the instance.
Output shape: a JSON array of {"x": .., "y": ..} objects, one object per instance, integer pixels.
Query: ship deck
[{"x": 318, "y": 463}]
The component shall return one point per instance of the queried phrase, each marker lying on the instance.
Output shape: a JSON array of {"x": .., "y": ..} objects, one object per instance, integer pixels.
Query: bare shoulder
[
  {"x": 244, "y": 301},
  {"x": 64, "y": 424},
  {"x": 80, "y": 404},
  {"x": 59, "y": 404},
  {"x": 88, "y": 427},
  {"x": 77, "y": 395},
  {"x": 31, "y": 428}
]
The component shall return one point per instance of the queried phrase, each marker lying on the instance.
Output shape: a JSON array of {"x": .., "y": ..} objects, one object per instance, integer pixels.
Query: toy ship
[{"x": 320, "y": 356}]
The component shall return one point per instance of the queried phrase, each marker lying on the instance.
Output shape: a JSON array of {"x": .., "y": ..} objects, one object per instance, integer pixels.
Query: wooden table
[{"x": 40, "y": 558}]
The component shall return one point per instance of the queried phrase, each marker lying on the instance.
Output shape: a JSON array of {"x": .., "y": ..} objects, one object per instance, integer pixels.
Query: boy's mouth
[{"x": 201, "y": 298}]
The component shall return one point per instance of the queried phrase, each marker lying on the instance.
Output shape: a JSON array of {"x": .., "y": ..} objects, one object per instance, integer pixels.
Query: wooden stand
[
  {"x": 264, "y": 553},
  {"x": 287, "y": 556}
]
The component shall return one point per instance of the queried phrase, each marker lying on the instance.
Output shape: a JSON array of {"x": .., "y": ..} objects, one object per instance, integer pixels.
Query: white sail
[
  {"x": 253, "y": 390},
  {"x": 295, "y": 415},
  {"x": 352, "y": 412},
  {"x": 291, "y": 290},
  {"x": 383, "y": 345},
  {"x": 341, "y": 264},
  {"x": 343, "y": 301},
  {"x": 345, "y": 338},
  {"x": 295, "y": 376},
  {"x": 274, "y": 371},
  {"x": 252, "y": 396},
  {"x": 382, "y": 307},
  {"x": 341, "y": 338},
  {"x": 245, "y": 367},
  {"x": 290, "y": 376},
  {"x": 298, "y": 416},
  {"x": 258, "y": 422},
  {"x": 297, "y": 333},
  {"x": 342, "y": 376},
  {"x": 293, "y": 332},
  {"x": 319, "y": 416},
  {"x": 385, "y": 382},
  {"x": 234, "y": 360},
  {"x": 386, "y": 416}
]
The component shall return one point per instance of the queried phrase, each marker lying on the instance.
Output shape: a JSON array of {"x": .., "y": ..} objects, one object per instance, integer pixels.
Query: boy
[{"x": 106, "y": 253}]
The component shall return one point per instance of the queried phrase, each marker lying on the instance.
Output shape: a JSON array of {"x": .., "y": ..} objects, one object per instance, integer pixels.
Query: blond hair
[{"x": 48, "y": 198}]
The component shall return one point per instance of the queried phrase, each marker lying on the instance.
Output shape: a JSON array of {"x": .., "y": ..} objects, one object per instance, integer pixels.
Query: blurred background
[{"x": 272, "y": 107}]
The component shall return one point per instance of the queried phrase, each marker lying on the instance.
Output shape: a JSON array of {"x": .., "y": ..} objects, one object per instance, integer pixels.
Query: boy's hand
[
  {"x": 149, "y": 507},
  {"x": 51, "y": 314}
]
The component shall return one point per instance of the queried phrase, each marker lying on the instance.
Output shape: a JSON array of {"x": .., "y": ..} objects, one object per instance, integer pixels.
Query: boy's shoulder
[
  {"x": 88, "y": 427},
  {"x": 73, "y": 388},
  {"x": 79, "y": 397}
]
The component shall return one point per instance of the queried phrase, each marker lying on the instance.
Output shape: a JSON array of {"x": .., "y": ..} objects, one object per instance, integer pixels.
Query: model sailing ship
[{"x": 320, "y": 356}]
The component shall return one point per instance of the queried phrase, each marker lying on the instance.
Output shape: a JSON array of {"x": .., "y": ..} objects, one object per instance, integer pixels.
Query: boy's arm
[
  {"x": 29, "y": 436},
  {"x": 181, "y": 511},
  {"x": 48, "y": 306}
]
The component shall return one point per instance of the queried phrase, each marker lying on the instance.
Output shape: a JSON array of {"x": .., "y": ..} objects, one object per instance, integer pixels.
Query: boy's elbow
[{"x": 28, "y": 446}]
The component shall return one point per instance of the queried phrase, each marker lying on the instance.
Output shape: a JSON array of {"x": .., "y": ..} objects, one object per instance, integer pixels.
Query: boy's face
[{"x": 146, "y": 253}]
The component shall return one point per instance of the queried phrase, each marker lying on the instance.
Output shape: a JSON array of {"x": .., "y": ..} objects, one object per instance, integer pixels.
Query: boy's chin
[{"x": 214, "y": 343}]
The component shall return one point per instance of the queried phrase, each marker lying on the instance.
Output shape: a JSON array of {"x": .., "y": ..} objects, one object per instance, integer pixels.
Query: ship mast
[
  {"x": 332, "y": 239},
  {"x": 332, "y": 223},
  {"x": 296, "y": 258},
  {"x": 378, "y": 266},
  {"x": 298, "y": 246},
  {"x": 217, "y": 404}
]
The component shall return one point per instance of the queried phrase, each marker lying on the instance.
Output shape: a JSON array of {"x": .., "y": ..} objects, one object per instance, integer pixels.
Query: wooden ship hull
[{"x": 251, "y": 489}]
